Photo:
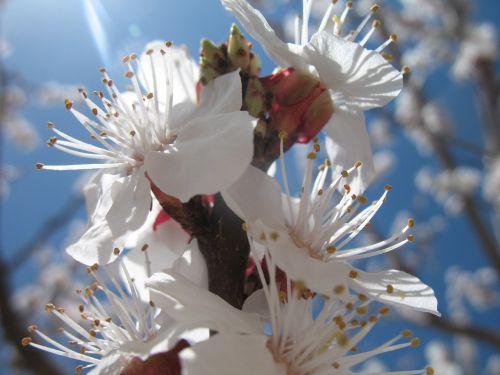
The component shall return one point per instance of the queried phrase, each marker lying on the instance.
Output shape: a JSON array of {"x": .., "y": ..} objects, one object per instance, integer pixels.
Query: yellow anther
[
  {"x": 411, "y": 223},
  {"x": 387, "y": 187},
  {"x": 384, "y": 310},
  {"x": 282, "y": 296},
  {"x": 282, "y": 134},
  {"x": 390, "y": 289},
  {"x": 68, "y": 104},
  {"x": 406, "y": 69},
  {"x": 387, "y": 56},
  {"x": 362, "y": 310},
  {"x": 415, "y": 342},
  {"x": 362, "y": 297},
  {"x": 274, "y": 236},
  {"x": 150, "y": 96},
  {"x": 375, "y": 8},
  {"x": 407, "y": 333},
  {"x": 312, "y": 156},
  {"x": 393, "y": 37},
  {"x": 411, "y": 238},
  {"x": 144, "y": 247},
  {"x": 429, "y": 371},
  {"x": 349, "y": 4},
  {"x": 339, "y": 289},
  {"x": 376, "y": 24},
  {"x": 342, "y": 340},
  {"x": 81, "y": 308},
  {"x": 49, "y": 307},
  {"x": 349, "y": 306},
  {"x": 26, "y": 341},
  {"x": 373, "y": 319},
  {"x": 358, "y": 164},
  {"x": 129, "y": 74},
  {"x": 344, "y": 173},
  {"x": 52, "y": 141},
  {"x": 78, "y": 369},
  {"x": 331, "y": 249},
  {"x": 50, "y": 125},
  {"x": 362, "y": 199},
  {"x": 116, "y": 251},
  {"x": 244, "y": 226},
  {"x": 262, "y": 236},
  {"x": 317, "y": 147},
  {"x": 32, "y": 328},
  {"x": 92, "y": 333},
  {"x": 299, "y": 285},
  {"x": 125, "y": 59}
]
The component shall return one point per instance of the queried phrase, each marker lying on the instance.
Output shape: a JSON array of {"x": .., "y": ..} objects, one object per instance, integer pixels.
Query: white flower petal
[
  {"x": 190, "y": 304},
  {"x": 95, "y": 246},
  {"x": 257, "y": 303},
  {"x": 408, "y": 290},
  {"x": 255, "y": 195},
  {"x": 221, "y": 95},
  {"x": 283, "y": 54},
  {"x": 210, "y": 153},
  {"x": 365, "y": 78},
  {"x": 192, "y": 265},
  {"x": 165, "y": 245},
  {"x": 231, "y": 354},
  {"x": 131, "y": 202},
  {"x": 348, "y": 142},
  {"x": 111, "y": 364}
]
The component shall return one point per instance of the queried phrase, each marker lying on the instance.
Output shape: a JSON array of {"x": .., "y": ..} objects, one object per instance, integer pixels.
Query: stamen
[{"x": 392, "y": 38}]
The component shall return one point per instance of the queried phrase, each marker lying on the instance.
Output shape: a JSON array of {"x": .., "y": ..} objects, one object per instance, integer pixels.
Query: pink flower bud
[{"x": 300, "y": 104}]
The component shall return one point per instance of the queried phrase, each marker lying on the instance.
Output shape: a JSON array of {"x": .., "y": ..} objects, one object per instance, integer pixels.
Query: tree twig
[{"x": 14, "y": 331}]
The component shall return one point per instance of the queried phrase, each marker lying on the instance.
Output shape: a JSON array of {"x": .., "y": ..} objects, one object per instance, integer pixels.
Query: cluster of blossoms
[{"x": 188, "y": 146}]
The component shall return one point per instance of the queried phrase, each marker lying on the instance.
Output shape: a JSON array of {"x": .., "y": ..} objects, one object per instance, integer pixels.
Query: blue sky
[{"x": 54, "y": 40}]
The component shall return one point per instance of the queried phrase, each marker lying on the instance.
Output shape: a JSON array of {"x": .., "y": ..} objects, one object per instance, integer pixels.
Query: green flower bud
[
  {"x": 211, "y": 54},
  {"x": 238, "y": 50},
  {"x": 254, "y": 65},
  {"x": 255, "y": 97}
]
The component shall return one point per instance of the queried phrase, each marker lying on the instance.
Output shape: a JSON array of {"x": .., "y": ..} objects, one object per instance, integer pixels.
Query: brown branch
[
  {"x": 221, "y": 240},
  {"x": 14, "y": 331},
  {"x": 487, "y": 335}
]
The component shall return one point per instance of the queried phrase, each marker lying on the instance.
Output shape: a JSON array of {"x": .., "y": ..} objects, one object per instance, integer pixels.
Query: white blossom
[
  {"x": 358, "y": 79},
  {"x": 160, "y": 136}
]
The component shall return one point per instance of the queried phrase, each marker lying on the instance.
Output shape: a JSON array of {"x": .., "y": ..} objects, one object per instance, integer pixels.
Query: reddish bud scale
[
  {"x": 166, "y": 363},
  {"x": 300, "y": 105}
]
